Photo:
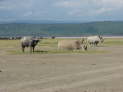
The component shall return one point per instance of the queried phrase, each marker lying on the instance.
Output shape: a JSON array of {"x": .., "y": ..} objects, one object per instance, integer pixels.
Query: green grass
[
  {"x": 113, "y": 41},
  {"x": 9, "y": 43},
  {"x": 58, "y": 52},
  {"x": 49, "y": 46}
]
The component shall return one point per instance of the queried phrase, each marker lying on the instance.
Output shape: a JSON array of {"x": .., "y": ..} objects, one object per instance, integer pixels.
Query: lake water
[{"x": 59, "y": 30}]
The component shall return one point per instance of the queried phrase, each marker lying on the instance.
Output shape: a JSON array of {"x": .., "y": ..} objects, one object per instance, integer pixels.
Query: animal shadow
[{"x": 41, "y": 51}]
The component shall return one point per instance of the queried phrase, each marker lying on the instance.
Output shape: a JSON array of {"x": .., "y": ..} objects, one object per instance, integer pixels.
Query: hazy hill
[{"x": 77, "y": 29}]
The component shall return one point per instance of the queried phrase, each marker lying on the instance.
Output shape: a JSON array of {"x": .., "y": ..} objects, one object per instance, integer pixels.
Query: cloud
[
  {"x": 2, "y": 0},
  {"x": 15, "y": 4},
  {"x": 80, "y": 7},
  {"x": 28, "y": 14},
  {"x": 68, "y": 4},
  {"x": 112, "y": 3},
  {"x": 59, "y": 9}
]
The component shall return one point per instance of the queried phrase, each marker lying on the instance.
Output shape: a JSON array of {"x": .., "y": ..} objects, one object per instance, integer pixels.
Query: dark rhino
[{"x": 29, "y": 42}]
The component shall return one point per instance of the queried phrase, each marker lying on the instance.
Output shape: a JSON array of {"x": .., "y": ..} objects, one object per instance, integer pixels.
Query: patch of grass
[
  {"x": 15, "y": 52},
  {"x": 49, "y": 46},
  {"x": 113, "y": 41},
  {"x": 9, "y": 43}
]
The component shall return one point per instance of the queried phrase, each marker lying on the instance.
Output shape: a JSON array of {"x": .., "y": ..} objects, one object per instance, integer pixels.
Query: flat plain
[{"x": 100, "y": 69}]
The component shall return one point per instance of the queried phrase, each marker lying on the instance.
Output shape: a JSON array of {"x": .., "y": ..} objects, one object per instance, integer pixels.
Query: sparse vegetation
[
  {"x": 114, "y": 41},
  {"x": 49, "y": 46}
]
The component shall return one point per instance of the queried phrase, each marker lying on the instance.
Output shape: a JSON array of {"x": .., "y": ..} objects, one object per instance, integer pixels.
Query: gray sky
[{"x": 61, "y": 10}]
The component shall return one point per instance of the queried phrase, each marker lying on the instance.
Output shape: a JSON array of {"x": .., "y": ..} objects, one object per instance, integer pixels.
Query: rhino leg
[
  {"x": 33, "y": 48},
  {"x": 23, "y": 48}
]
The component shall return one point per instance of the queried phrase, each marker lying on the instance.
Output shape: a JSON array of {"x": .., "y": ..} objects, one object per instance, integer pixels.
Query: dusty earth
[{"x": 63, "y": 72}]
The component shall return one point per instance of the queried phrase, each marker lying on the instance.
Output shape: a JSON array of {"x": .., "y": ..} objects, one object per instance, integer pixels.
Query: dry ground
[{"x": 98, "y": 72}]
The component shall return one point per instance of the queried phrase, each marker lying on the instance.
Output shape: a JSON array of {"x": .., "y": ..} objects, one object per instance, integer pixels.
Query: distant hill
[{"x": 63, "y": 29}]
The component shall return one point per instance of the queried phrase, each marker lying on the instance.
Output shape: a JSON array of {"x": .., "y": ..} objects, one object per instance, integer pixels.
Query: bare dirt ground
[{"x": 63, "y": 72}]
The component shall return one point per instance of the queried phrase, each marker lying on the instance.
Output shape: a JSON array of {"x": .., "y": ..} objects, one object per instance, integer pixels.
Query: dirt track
[{"x": 63, "y": 72}]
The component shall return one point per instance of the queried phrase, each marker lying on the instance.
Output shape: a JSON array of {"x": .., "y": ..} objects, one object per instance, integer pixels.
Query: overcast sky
[{"x": 63, "y": 10}]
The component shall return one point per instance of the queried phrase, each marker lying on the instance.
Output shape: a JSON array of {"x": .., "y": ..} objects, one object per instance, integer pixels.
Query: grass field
[{"x": 49, "y": 46}]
